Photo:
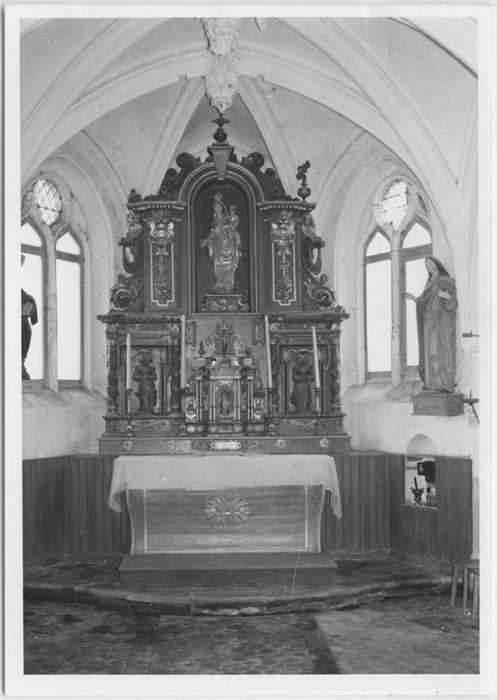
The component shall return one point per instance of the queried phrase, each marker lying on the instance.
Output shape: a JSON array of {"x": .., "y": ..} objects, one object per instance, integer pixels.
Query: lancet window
[
  {"x": 394, "y": 263},
  {"x": 52, "y": 282}
]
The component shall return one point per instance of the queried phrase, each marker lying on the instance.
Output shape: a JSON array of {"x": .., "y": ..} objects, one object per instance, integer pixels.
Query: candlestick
[
  {"x": 183, "y": 352},
  {"x": 268, "y": 355},
  {"x": 317, "y": 380},
  {"x": 128, "y": 361}
]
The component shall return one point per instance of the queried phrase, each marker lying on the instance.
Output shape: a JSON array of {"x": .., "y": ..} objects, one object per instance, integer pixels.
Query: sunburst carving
[{"x": 227, "y": 508}]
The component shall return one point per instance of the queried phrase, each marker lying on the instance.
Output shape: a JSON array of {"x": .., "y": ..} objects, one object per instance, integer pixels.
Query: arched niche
[
  {"x": 420, "y": 471},
  {"x": 240, "y": 190}
]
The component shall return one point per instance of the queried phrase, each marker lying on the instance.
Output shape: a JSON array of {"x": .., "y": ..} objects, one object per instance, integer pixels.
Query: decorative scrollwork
[
  {"x": 126, "y": 293},
  {"x": 317, "y": 295},
  {"x": 268, "y": 179},
  {"x": 173, "y": 179}
]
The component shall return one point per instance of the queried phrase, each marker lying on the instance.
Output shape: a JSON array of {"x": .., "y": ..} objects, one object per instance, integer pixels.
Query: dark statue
[
  {"x": 225, "y": 404},
  {"x": 29, "y": 316},
  {"x": 223, "y": 244},
  {"x": 146, "y": 376},
  {"x": 302, "y": 374},
  {"x": 436, "y": 318}
]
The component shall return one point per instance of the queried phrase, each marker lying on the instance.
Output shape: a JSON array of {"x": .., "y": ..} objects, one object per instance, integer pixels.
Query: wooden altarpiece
[{"x": 215, "y": 261}]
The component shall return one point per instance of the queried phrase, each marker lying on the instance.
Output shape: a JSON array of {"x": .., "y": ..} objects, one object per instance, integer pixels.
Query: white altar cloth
[{"x": 199, "y": 472}]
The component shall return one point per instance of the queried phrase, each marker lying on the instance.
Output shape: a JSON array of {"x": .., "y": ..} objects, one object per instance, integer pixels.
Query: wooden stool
[{"x": 471, "y": 579}]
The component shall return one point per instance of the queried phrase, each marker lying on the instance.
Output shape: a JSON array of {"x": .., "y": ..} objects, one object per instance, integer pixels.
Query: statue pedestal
[
  {"x": 215, "y": 303},
  {"x": 434, "y": 404}
]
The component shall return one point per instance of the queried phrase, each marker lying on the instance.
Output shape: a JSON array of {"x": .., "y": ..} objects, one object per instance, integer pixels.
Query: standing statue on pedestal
[
  {"x": 223, "y": 244},
  {"x": 436, "y": 317},
  {"x": 146, "y": 376},
  {"x": 29, "y": 316}
]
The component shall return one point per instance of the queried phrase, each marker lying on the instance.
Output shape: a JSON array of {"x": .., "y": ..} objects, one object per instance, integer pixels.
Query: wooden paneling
[
  {"x": 365, "y": 486},
  {"x": 445, "y": 532},
  {"x": 65, "y": 507},
  {"x": 454, "y": 503},
  {"x": 420, "y": 531}
]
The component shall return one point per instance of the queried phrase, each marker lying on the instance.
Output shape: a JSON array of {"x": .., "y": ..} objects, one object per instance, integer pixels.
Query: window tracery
[{"x": 394, "y": 256}]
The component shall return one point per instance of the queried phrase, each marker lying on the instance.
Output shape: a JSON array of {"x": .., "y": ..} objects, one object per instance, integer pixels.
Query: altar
[
  {"x": 223, "y": 382},
  {"x": 221, "y": 503}
]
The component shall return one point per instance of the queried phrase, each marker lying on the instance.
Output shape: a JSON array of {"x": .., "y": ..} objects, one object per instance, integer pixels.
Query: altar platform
[{"x": 360, "y": 578}]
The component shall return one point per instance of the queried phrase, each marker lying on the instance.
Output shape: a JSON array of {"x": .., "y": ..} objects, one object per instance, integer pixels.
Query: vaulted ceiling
[{"x": 133, "y": 92}]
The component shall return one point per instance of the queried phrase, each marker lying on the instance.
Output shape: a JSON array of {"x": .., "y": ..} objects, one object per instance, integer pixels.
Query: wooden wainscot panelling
[
  {"x": 454, "y": 502},
  {"x": 65, "y": 508},
  {"x": 420, "y": 531},
  {"x": 444, "y": 532},
  {"x": 365, "y": 486}
]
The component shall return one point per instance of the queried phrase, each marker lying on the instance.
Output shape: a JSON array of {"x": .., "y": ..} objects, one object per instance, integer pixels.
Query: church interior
[{"x": 251, "y": 330}]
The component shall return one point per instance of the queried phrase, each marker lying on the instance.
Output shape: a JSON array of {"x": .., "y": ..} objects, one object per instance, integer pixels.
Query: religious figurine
[
  {"x": 146, "y": 376},
  {"x": 131, "y": 244},
  {"x": 224, "y": 404},
  {"x": 29, "y": 316},
  {"x": 436, "y": 318},
  {"x": 302, "y": 375},
  {"x": 312, "y": 245},
  {"x": 223, "y": 244}
]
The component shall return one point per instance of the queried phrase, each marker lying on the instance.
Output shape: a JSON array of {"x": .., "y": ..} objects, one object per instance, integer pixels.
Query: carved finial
[
  {"x": 303, "y": 191},
  {"x": 220, "y": 135}
]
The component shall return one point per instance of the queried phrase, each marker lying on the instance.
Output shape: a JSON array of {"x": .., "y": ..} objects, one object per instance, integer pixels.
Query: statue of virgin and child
[
  {"x": 223, "y": 245},
  {"x": 436, "y": 320}
]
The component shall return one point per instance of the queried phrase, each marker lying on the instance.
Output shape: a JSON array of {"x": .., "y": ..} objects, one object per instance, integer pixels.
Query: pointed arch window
[
  {"x": 394, "y": 263},
  {"x": 378, "y": 303},
  {"x": 53, "y": 274},
  {"x": 68, "y": 268}
]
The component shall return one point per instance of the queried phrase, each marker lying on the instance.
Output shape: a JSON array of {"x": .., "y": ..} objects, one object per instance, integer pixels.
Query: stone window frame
[
  {"x": 71, "y": 220},
  {"x": 417, "y": 212}
]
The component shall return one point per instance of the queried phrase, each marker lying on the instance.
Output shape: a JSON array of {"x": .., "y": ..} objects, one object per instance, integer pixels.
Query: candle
[
  {"x": 268, "y": 355},
  {"x": 183, "y": 351},
  {"x": 317, "y": 380},
  {"x": 415, "y": 482},
  {"x": 128, "y": 361}
]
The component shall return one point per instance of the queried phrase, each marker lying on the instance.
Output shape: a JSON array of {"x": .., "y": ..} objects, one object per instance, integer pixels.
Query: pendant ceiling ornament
[{"x": 221, "y": 78}]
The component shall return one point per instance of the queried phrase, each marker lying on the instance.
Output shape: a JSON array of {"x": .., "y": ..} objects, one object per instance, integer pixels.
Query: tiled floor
[{"x": 420, "y": 634}]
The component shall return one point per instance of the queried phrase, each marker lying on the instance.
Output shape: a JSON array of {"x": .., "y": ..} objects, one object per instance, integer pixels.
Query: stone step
[{"x": 207, "y": 570}]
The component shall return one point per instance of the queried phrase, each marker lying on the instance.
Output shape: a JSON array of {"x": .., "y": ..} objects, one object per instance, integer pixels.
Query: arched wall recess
[
  {"x": 355, "y": 221},
  {"x": 72, "y": 219},
  {"x": 420, "y": 445},
  {"x": 92, "y": 205}
]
